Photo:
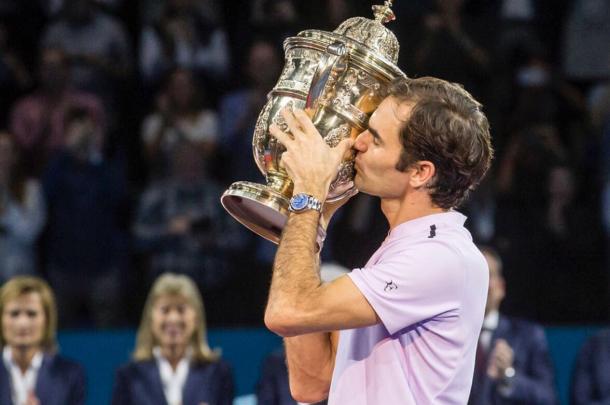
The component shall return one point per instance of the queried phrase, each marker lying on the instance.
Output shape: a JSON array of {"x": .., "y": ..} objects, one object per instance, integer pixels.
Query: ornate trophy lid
[{"x": 372, "y": 33}]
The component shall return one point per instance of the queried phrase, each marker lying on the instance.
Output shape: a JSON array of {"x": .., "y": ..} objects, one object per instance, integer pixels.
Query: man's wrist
[
  {"x": 314, "y": 191},
  {"x": 506, "y": 381}
]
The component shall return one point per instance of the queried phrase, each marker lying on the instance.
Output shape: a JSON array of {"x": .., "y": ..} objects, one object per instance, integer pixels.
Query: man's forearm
[
  {"x": 296, "y": 276},
  {"x": 310, "y": 359}
]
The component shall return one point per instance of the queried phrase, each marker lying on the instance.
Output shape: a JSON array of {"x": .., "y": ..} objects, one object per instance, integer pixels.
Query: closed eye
[{"x": 376, "y": 138}]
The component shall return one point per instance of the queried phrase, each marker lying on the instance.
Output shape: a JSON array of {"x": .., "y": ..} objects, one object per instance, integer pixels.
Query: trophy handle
[{"x": 331, "y": 66}]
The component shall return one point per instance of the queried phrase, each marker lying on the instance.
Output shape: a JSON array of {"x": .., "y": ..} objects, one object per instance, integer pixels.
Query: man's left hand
[
  {"x": 309, "y": 161},
  {"x": 502, "y": 357}
]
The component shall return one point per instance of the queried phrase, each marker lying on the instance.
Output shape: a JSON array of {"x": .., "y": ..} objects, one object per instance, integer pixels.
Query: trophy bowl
[{"x": 339, "y": 78}]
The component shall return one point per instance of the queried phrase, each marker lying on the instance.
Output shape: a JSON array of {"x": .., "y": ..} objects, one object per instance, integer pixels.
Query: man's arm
[
  {"x": 298, "y": 301},
  {"x": 310, "y": 375},
  {"x": 300, "y": 307},
  {"x": 533, "y": 381}
]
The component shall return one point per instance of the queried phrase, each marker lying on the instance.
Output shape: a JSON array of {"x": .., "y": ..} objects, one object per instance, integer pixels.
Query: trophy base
[{"x": 259, "y": 208}]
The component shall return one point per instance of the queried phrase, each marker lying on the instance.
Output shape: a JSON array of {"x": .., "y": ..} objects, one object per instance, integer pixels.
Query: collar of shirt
[
  {"x": 423, "y": 224},
  {"x": 21, "y": 383},
  {"x": 173, "y": 380},
  {"x": 490, "y": 323}
]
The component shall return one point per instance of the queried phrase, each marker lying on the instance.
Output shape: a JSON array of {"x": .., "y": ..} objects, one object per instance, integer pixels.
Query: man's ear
[{"x": 422, "y": 173}]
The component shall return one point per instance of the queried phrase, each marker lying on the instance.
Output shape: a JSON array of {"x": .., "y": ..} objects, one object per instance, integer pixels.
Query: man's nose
[{"x": 359, "y": 143}]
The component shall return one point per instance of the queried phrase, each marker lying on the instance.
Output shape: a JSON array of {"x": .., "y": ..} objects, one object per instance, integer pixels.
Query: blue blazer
[
  {"x": 139, "y": 382},
  {"x": 273, "y": 386},
  {"x": 534, "y": 380},
  {"x": 591, "y": 377},
  {"x": 60, "y": 382}
]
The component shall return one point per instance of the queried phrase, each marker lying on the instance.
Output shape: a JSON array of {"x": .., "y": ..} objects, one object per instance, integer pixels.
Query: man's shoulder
[{"x": 522, "y": 327}]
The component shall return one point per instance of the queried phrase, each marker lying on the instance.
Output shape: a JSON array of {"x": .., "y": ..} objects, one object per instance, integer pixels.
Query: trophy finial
[{"x": 384, "y": 14}]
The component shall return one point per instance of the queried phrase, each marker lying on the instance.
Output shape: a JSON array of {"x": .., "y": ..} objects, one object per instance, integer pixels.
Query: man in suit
[
  {"x": 513, "y": 364},
  {"x": 591, "y": 378}
]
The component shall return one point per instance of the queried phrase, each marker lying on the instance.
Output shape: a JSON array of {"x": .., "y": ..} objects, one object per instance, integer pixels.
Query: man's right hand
[{"x": 502, "y": 357}]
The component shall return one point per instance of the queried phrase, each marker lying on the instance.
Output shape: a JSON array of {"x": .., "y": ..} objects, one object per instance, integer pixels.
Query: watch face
[{"x": 298, "y": 202}]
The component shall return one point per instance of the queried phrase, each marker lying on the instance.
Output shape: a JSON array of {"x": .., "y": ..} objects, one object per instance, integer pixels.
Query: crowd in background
[{"x": 123, "y": 122}]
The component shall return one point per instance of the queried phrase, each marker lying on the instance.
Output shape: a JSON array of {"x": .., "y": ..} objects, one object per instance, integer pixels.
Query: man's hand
[
  {"x": 501, "y": 358},
  {"x": 309, "y": 161}
]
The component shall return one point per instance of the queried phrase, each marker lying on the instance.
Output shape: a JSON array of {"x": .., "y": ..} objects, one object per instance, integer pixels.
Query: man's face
[
  {"x": 53, "y": 70},
  {"x": 378, "y": 150},
  {"x": 263, "y": 54},
  {"x": 496, "y": 291}
]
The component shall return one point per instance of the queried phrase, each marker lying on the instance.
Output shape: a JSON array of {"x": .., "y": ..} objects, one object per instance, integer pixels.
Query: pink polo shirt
[{"x": 428, "y": 285}]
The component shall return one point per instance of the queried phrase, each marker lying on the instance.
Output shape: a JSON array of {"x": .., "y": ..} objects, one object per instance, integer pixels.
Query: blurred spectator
[
  {"x": 183, "y": 226},
  {"x": 180, "y": 118},
  {"x": 152, "y": 10},
  {"x": 54, "y": 7},
  {"x": 15, "y": 78},
  {"x": 359, "y": 228},
  {"x": 452, "y": 47},
  {"x": 97, "y": 47},
  {"x": 571, "y": 258},
  {"x": 541, "y": 95},
  {"x": 480, "y": 208},
  {"x": 562, "y": 247},
  {"x": 172, "y": 363},
  {"x": 591, "y": 374},
  {"x": 273, "y": 386},
  {"x": 513, "y": 364},
  {"x": 37, "y": 120},
  {"x": 86, "y": 241},
  {"x": 277, "y": 19},
  {"x": 32, "y": 372},
  {"x": 586, "y": 45},
  {"x": 22, "y": 214},
  {"x": 599, "y": 107},
  {"x": 239, "y": 109},
  {"x": 187, "y": 36}
]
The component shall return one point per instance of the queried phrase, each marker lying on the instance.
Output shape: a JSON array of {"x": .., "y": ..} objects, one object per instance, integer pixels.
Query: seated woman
[
  {"x": 31, "y": 372},
  {"x": 172, "y": 363}
]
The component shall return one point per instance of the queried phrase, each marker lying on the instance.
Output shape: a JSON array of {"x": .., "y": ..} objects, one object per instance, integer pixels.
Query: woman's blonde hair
[
  {"x": 174, "y": 285},
  {"x": 21, "y": 285}
]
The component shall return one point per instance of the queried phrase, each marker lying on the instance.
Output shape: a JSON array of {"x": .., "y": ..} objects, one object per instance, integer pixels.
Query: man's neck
[{"x": 408, "y": 208}]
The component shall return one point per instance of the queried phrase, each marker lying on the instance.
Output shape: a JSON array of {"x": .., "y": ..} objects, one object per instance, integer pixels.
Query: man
[
  {"x": 273, "y": 387},
  {"x": 38, "y": 119},
  {"x": 591, "y": 372},
  {"x": 410, "y": 318},
  {"x": 513, "y": 364},
  {"x": 86, "y": 190}
]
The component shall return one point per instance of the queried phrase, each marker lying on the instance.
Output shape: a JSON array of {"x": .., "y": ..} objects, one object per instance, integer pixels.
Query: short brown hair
[
  {"x": 21, "y": 285},
  {"x": 447, "y": 128},
  {"x": 169, "y": 284}
]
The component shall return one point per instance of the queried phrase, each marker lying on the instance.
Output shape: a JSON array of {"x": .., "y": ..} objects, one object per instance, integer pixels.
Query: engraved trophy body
[{"x": 339, "y": 78}]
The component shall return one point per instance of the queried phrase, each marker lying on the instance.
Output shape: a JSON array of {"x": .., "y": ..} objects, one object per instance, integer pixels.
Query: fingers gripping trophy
[{"x": 339, "y": 78}]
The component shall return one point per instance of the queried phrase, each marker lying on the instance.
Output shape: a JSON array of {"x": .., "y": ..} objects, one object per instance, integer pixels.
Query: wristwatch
[{"x": 302, "y": 202}]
